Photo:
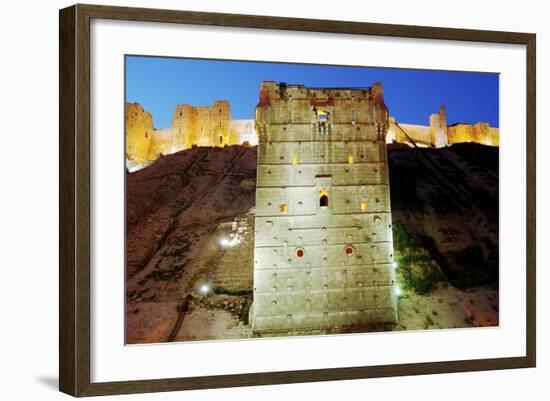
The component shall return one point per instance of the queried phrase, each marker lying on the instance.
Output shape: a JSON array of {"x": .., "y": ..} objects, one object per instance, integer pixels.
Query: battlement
[
  {"x": 439, "y": 134},
  {"x": 191, "y": 126},
  {"x": 298, "y": 91},
  {"x": 319, "y": 110}
]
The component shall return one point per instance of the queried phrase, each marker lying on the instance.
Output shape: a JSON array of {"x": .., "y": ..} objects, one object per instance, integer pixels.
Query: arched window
[{"x": 323, "y": 200}]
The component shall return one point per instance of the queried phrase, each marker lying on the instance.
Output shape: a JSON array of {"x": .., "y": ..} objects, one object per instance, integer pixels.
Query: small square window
[
  {"x": 350, "y": 159},
  {"x": 364, "y": 205},
  {"x": 283, "y": 208}
]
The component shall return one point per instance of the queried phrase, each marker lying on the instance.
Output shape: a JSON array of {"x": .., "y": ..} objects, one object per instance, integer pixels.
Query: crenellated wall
[
  {"x": 438, "y": 134},
  {"x": 191, "y": 126},
  {"x": 213, "y": 126},
  {"x": 481, "y": 133}
]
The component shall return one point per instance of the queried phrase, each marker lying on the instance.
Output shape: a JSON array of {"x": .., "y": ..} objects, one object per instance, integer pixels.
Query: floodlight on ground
[{"x": 204, "y": 289}]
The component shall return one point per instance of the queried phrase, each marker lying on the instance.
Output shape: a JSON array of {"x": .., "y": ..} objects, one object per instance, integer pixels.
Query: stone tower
[
  {"x": 438, "y": 128},
  {"x": 139, "y": 132},
  {"x": 202, "y": 125},
  {"x": 323, "y": 247}
]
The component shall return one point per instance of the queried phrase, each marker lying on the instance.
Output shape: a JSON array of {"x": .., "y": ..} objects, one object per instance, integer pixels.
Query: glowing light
[
  {"x": 227, "y": 243},
  {"x": 395, "y": 265},
  {"x": 397, "y": 290},
  {"x": 204, "y": 289}
]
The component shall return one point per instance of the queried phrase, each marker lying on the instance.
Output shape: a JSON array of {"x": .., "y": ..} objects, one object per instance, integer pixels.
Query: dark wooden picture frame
[{"x": 74, "y": 203}]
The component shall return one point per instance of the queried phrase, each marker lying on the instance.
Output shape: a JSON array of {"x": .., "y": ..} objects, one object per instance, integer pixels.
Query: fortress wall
[
  {"x": 243, "y": 131},
  {"x": 357, "y": 231},
  {"x": 462, "y": 133},
  {"x": 323, "y": 255},
  {"x": 322, "y": 265},
  {"x": 304, "y": 132},
  {"x": 479, "y": 133},
  {"x": 324, "y": 151},
  {"x": 349, "y": 277},
  {"x": 305, "y": 175},
  {"x": 165, "y": 142},
  {"x": 425, "y": 136},
  {"x": 191, "y": 126},
  {"x": 419, "y": 133},
  {"x": 494, "y": 136},
  {"x": 438, "y": 128},
  {"x": 203, "y": 125},
  {"x": 303, "y": 200},
  {"x": 139, "y": 130}
]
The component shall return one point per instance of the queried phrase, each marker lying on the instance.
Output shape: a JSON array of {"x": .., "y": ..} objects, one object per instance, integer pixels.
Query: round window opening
[
  {"x": 299, "y": 252},
  {"x": 349, "y": 250}
]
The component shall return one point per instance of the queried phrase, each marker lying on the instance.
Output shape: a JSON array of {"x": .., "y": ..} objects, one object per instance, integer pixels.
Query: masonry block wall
[
  {"x": 323, "y": 255},
  {"x": 202, "y": 125},
  {"x": 438, "y": 128},
  {"x": 438, "y": 134},
  {"x": 139, "y": 132}
]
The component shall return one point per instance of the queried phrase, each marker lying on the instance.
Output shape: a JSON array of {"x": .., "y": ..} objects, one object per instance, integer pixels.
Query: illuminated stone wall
[
  {"x": 203, "y": 126},
  {"x": 438, "y": 128},
  {"x": 191, "y": 126},
  {"x": 421, "y": 134},
  {"x": 479, "y": 133},
  {"x": 243, "y": 131},
  {"x": 165, "y": 142},
  {"x": 139, "y": 131},
  {"x": 323, "y": 257},
  {"x": 438, "y": 134}
]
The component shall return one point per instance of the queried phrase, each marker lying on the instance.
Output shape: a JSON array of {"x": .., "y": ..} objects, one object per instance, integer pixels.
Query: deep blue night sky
[{"x": 159, "y": 84}]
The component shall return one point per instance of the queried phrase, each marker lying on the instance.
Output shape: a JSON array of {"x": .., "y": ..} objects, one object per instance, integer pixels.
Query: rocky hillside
[
  {"x": 182, "y": 208},
  {"x": 178, "y": 211},
  {"x": 446, "y": 200}
]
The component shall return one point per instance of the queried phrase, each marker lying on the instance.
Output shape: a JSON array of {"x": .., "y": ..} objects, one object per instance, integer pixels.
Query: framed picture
[{"x": 250, "y": 200}]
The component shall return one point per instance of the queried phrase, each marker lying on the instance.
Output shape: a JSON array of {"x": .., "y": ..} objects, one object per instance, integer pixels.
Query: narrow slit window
[
  {"x": 295, "y": 160},
  {"x": 350, "y": 159}
]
